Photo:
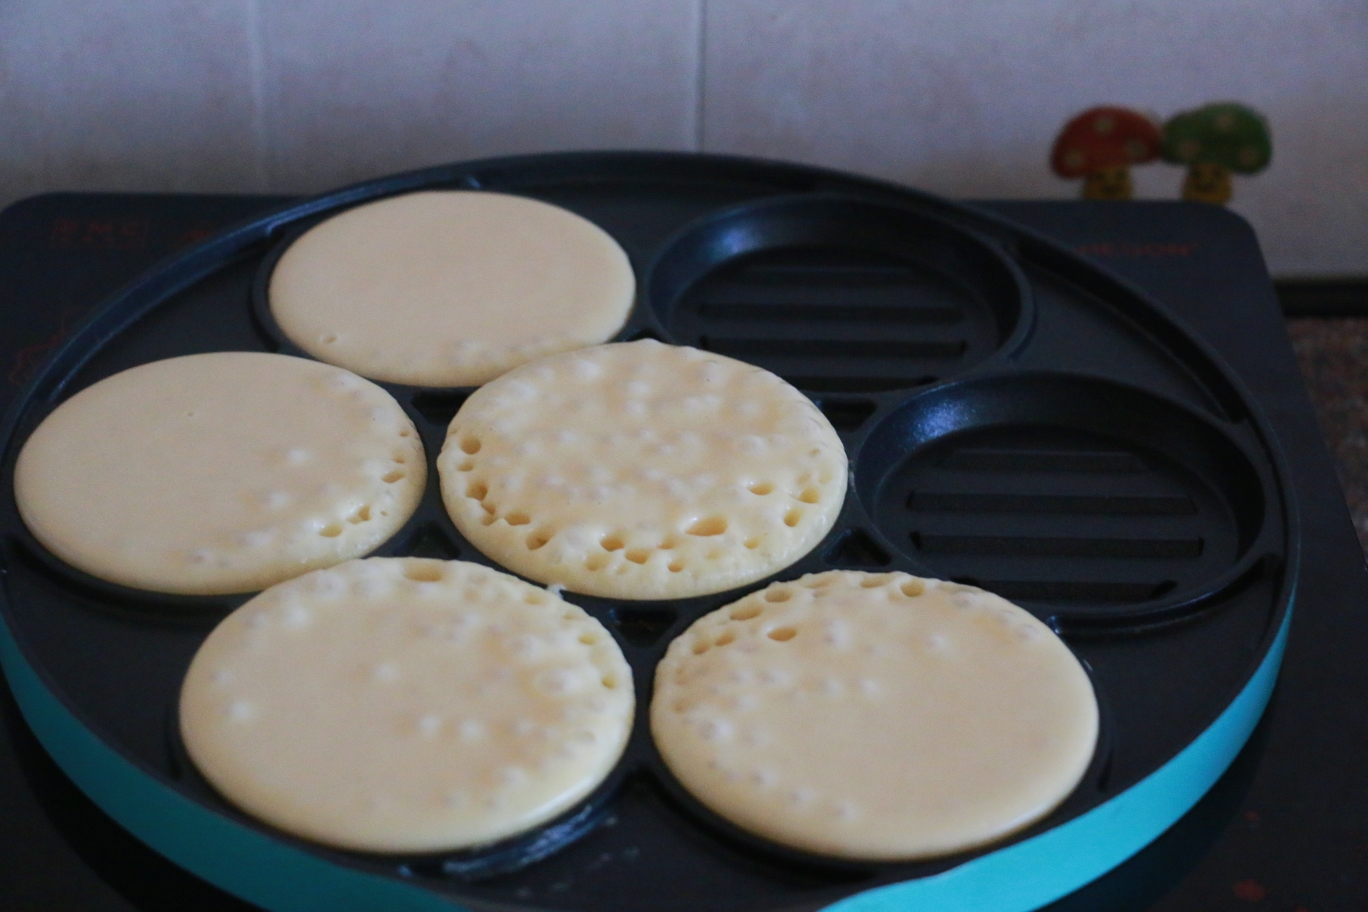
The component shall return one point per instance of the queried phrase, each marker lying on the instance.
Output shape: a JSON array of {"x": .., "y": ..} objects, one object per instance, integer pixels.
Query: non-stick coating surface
[{"x": 1034, "y": 317}]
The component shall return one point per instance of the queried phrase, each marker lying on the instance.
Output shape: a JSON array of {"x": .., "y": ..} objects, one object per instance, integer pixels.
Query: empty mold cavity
[
  {"x": 423, "y": 573},
  {"x": 1066, "y": 489},
  {"x": 712, "y": 525},
  {"x": 847, "y": 414},
  {"x": 840, "y": 295}
]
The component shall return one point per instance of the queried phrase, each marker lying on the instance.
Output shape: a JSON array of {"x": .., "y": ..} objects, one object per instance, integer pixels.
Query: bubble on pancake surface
[
  {"x": 614, "y": 470},
  {"x": 890, "y": 717}
]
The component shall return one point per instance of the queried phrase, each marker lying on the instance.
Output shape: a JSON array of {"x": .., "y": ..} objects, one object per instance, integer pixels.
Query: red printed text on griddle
[
  {"x": 27, "y": 359},
  {"x": 99, "y": 233}
]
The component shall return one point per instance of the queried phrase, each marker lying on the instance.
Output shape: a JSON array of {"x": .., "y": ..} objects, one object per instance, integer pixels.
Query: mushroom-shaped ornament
[
  {"x": 1100, "y": 145},
  {"x": 1213, "y": 141}
]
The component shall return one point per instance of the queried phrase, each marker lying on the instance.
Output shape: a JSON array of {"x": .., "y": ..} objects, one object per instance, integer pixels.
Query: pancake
[
  {"x": 450, "y": 288},
  {"x": 406, "y": 705},
  {"x": 642, "y": 471},
  {"x": 877, "y": 717},
  {"x": 219, "y": 473}
]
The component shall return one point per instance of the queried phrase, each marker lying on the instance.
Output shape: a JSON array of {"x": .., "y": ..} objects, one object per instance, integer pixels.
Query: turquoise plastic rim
[{"x": 1018, "y": 878}]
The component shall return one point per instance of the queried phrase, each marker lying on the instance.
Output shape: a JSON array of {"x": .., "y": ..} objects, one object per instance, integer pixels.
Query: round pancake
[
  {"x": 450, "y": 288},
  {"x": 219, "y": 473},
  {"x": 642, "y": 471},
  {"x": 874, "y": 716},
  {"x": 406, "y": 705}
]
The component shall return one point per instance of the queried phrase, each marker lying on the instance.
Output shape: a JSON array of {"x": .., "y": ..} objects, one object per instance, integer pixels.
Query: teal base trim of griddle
[
  {"x": 283, "y": 878},
  {"x": 1037, "y": 871}
]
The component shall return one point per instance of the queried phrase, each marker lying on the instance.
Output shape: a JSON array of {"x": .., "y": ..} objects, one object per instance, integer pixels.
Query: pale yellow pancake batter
[
  {"x": 643, "y": 471},
  {"x": 874, "y": 716},
  {"x": 221, "y": 472},
  {"x": 406, "y": 705},
  {"x": 451, "y": 287}
]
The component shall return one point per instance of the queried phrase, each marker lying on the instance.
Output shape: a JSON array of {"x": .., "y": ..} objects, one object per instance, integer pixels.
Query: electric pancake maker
[{"x": 1016, "y": 418}]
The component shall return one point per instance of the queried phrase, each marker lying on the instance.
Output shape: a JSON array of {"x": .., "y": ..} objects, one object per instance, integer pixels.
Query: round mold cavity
[
  {"x": 838, "y": 294},
  {"x": 1073, "y": 491}
]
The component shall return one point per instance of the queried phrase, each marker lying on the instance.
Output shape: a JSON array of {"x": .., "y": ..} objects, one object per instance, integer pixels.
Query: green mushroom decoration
[{"x": 1215, "y": 141}]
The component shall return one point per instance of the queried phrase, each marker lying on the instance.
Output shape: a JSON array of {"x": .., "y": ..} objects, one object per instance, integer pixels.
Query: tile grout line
[
  {"x": 700, "y": 75},
  {"x": 257, "y": 71}
]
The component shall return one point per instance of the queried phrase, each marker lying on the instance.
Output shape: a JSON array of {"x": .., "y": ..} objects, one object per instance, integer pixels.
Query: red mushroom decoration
[{"x": 1101, "y": 144}]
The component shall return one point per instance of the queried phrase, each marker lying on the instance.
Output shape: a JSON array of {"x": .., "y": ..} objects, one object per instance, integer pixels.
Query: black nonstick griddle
[{"x": 1027, "y": 422}]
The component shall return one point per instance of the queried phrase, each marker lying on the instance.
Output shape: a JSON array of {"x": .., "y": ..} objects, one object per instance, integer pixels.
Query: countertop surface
[{"x": 1333, "y": 354}]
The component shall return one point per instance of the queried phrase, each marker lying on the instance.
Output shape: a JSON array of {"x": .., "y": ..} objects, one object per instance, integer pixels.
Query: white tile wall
[
  {"x": 961, "y": 99},
  {"x": 965, "y": 99},
  {"x": 356, "y": 89},
  {"x": 125, "y": 96}
]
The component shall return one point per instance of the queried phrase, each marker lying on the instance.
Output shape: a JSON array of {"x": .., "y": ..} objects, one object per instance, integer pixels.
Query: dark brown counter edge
[{"x": 1345, "y": 296}]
